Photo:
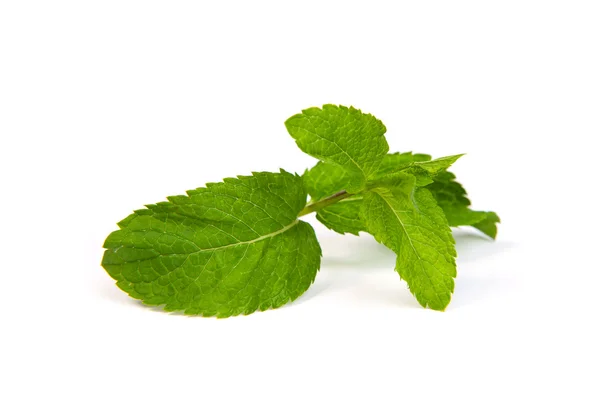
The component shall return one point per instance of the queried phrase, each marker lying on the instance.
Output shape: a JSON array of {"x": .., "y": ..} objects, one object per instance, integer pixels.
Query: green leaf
[
  {"x": 230, "y": 248},
  {"x": 419, "y": 165},
  {"x": 488, "y": 224},
  {"x": 437, "y": 165},
  {"x": 394, "y": 162},
  {"x": 343, "y": 217},
  {"x": 325, "y": 179},
  {"x": 238, "y": 246},
  {"x": 343, "y": 136},
  {"x": 415, "y": 228},
  {"x": 449, "y": 192},
  {"x": 402, "y": 181},
  {"x": 452, "y": 198}
]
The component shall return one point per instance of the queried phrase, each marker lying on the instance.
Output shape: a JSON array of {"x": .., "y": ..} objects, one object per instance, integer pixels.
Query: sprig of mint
[{"x": 238, "y": 246}]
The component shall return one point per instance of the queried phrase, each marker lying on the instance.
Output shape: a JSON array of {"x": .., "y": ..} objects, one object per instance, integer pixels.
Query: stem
[{"x": 327, "y": 201}]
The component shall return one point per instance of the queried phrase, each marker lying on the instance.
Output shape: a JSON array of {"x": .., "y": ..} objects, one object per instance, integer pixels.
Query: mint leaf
[
  {"x": 488, "y": 224},
  {"x": 452, "y": 198},
  {"x": 343, "y": 136},
  {"x": 238, "y": 246},
  {"x": 437, "y": 165},
  {"x": 394, "y": 162},
  {"x": 401, "y": 161},
  {"x": 325, "y": 179},
  {"x": 415, "y": 228},
  {"x": 402, "y": 181},
  {"x": 343, "y": 217},
  {"x": 419, "y": 165},
  {"x": 230, "y": 248}
]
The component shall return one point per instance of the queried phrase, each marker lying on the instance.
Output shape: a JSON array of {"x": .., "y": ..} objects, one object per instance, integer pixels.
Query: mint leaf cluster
[{"x": 238, "y": 246}]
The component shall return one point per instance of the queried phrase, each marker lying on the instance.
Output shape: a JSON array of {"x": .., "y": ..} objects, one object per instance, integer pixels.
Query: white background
[{"x": 109, "y": 105}]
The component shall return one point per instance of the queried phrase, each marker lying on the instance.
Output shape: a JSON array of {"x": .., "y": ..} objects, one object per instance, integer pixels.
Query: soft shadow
[
  {"x": 364, "y": 250},
  {"x": 350, "y": 250},
  {"x": 316, "y": 289},
  {"x": 362, "y": 256},
  {"x": 112, "y": 293},
  {"x": 475, "y": 252},
  {"x": 473, "y": 246},
  {"x": 474, "y": 289}
]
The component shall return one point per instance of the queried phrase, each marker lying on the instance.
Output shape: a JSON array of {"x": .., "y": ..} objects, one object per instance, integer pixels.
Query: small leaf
[
  {"x": 488, "y": 224},
  {"x": 343, "y": 217},
  {"x": 401, "y": 182},
  {"x": 437, "y": 165},
  {"x": 343, "y": 136},
  {"x": 325, "y": 179},
  {"x": 394, "y": 162},
  {"x": 417, "y": 164},
  {"x": 452, "y": 198}
]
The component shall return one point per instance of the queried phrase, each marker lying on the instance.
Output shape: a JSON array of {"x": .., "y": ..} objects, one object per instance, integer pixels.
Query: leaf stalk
[{"x": 327, "y": 201}]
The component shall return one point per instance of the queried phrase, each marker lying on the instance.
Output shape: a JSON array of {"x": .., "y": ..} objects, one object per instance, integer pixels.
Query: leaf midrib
[
  {"x": 401, "y": 224},
  {"x": 258, "y": 239}
]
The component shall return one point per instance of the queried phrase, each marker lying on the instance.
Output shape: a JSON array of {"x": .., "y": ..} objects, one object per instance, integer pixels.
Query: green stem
[{"x": 327, "y": 201}]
